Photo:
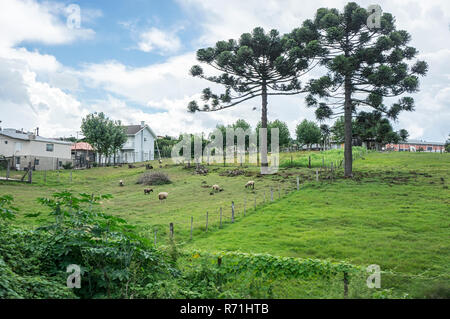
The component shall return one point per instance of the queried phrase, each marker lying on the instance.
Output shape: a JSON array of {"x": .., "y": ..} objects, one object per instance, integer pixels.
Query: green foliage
[
  {"x": 67, "y": 165},
  {"x": 105, "y": 136},
  {"x": 7, "y": 211},
  {"x": 320, "y": 158},
  {"x": 283, "y": 132},
  {"x": 308, "y": 133}
]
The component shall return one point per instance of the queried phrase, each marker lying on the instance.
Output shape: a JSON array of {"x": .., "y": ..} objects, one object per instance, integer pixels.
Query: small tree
[
  {"x": 96, "y": 132},
  {"x": 119, "y": 137},
  {"x": 259, "y": 64},
  {"x": 308, "y": 133},
  {"x": 283, "y": 132}
]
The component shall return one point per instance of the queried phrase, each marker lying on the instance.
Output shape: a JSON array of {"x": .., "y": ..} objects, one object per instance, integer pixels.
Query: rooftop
[{"x": 28, "y": 136}]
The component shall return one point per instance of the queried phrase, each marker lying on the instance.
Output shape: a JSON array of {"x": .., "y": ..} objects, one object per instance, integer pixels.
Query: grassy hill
[{"x": 393, "y": 213}]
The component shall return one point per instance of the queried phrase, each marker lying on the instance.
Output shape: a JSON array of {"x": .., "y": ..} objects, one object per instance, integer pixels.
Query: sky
[{"x": 131, "y": 60}]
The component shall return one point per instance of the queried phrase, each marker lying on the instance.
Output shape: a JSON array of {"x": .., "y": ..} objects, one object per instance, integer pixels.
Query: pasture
[{"x": 394, "y": 212}]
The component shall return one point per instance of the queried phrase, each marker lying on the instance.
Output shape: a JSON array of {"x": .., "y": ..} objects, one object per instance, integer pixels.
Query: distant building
[
  {"x": 83, "y": 154},
  {"x": 24, "y": 148},
  {"x": 417, "y": 146},
  {"x": 139, "y": 147}
]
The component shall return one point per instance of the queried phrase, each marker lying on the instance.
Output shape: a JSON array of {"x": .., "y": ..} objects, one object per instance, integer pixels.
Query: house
[
  {"x": 24, "y": 148},
  {"x": 140, "y": 144},
  {"x": 83, "y": 154},
  {"x": 417, "y": 146}
]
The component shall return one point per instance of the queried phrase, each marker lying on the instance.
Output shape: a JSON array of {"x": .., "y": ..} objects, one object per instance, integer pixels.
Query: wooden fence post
[
  {"x": 71, "y": 176},
  {"x": 7, "y": 169},
  {"x": 206, "y": 229},
  {"x": 171, "y": 230},
  {"x": 279, "y": 193},
  {"x": 323, "y": 161},
  {"x": 30, "y": 173},
  {"x": 309, "y": 161},
  {"x": 192, "y": 225},
  {"x": 298, "y": 183},
  {"x": 245, "y": 205},
  {"x": 255, "y": 202},
  {"x": 317, "y": 175},
  {"x": 220, "y": 217},
  {"x": 345, "y": 285},
  {"x": 45, "y": 176},
  {"x": 156, "y": 231},
  {"x": 271, "y": 194},
  {"x": 59, "y": 177},
  {"x": 232, "y": 212}
]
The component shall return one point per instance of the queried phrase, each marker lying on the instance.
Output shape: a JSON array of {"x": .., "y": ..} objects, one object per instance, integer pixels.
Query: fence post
[
  {"x": 323, "y": 162},
  {"x": 71, "y": 176},
  {"x": 317, "y": 175},
  {"x": 255, "y": 202},
  {"x": 220, "y": 217},
  {"x": 298, "y": 183},
  {"x": 59, "y": 177},
  {"x": 7, "y": 169},
  {"x": 45, "y": 176},
  {"x": 271, "y": 194},
  {"x": 345, "y": 285},
  {"x": 30, "y": 174},
  {"x": 192, "y": 225},
  {"x": 264, "y": 196},
  {"x": 279, "y": 193},
  {"x": 156, "y": 231},
  {"x": 245, "y": 205},
  {"x": 309, "y": 161},
  {"x": 232, "y": 212},
  {"x": 206, "y": 229},
  {"x": 171, "y": 230}
]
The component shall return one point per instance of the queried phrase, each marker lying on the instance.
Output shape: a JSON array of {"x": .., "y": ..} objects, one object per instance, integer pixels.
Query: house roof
[
  {"x": 19, "y": 135},
  {"x": 134, "y": 129},
  {"x": 418, "y": 142},
  {"x": 82, "y": 146}
]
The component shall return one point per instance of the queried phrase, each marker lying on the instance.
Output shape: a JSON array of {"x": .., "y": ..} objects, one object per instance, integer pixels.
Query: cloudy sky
[{"x": 130, "y": 59}]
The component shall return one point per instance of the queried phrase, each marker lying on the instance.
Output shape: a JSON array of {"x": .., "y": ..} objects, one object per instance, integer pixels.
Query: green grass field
[{"x": 394, "y": 212}]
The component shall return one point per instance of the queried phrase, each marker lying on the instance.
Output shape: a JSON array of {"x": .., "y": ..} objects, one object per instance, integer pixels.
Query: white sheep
[
  {"x": 121, "y": 183},
  {"x": 216, "y": 187},
  {"x": 162, "y": 196},
  {"x": 250, "y": 184}
]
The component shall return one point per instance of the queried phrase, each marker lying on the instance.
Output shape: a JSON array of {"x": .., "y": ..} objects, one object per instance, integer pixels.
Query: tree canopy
[
  {"x": 365, "y": 66},
  {"x": 308, "y": 133}
]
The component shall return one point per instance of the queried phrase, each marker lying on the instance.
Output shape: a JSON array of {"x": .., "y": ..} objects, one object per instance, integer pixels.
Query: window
[
  {"x": 6, "y": 142},
  {"x": 60, "y": 163},
  {"x": 36, "y": 162},
  {"x": 429, "y": 148},
  {"x": 18, "y": 160},
  {"x": 18, "y": 147},
  {"x": 49, "y": 147}
]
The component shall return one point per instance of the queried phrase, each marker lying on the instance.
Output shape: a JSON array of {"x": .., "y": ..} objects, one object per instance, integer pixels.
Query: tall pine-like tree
[
  {"x": 259, "y": 64},
  {"x": 365, "y": 66}
]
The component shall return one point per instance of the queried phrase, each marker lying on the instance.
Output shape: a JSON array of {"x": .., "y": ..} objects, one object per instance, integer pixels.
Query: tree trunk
[
  {"x": 348, "y": 128},
  {"x": 263, "y": 146}
]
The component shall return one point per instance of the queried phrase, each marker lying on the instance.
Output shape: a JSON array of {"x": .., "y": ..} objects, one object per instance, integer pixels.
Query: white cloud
[{"x": 158, "y": 40}]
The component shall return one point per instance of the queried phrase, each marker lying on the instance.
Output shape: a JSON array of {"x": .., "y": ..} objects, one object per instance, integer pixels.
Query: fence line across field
[{"x": 236, "y": 212}]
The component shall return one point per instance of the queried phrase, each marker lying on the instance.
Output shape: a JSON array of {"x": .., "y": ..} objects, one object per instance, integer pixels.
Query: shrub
[
  {"x": 67, "y": 165},
  {"x": 154, "y": 178}
]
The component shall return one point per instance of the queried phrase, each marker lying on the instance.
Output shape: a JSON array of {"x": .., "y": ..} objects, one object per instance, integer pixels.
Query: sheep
[
  {"x": 148, "y": 166},
  {"x": 148, "y": 191},
  {"x": 121, "y": 183},
  {"x": 162, "y": 196},
  {"x": 216, "y": 188},
  {"x": 250, "y": 184}
]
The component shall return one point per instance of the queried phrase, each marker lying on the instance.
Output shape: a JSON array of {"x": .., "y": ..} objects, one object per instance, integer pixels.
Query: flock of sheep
[{"x": 163, "y": 195}]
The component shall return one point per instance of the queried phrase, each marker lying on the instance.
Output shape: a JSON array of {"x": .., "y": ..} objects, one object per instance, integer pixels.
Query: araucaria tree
[
  {"x": 259, "y": 64},
  {"x": 365, "y": 65}
]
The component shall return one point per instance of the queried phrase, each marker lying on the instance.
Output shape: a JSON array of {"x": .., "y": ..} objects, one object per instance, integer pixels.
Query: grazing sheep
[
  {"x": 250, "y": 184},
  {"x": 148, "y": 191},
  {"x": 216, "y": 188},
  {"x": 162, "y": 196},
  {"x": 148, "y": 166},
  {"x": 121, "y": 183}
]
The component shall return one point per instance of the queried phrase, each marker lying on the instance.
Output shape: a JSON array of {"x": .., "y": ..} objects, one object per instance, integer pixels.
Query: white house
[
  {"x": 22, "y": 148},
  {"x": 140, "y": 144}
]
